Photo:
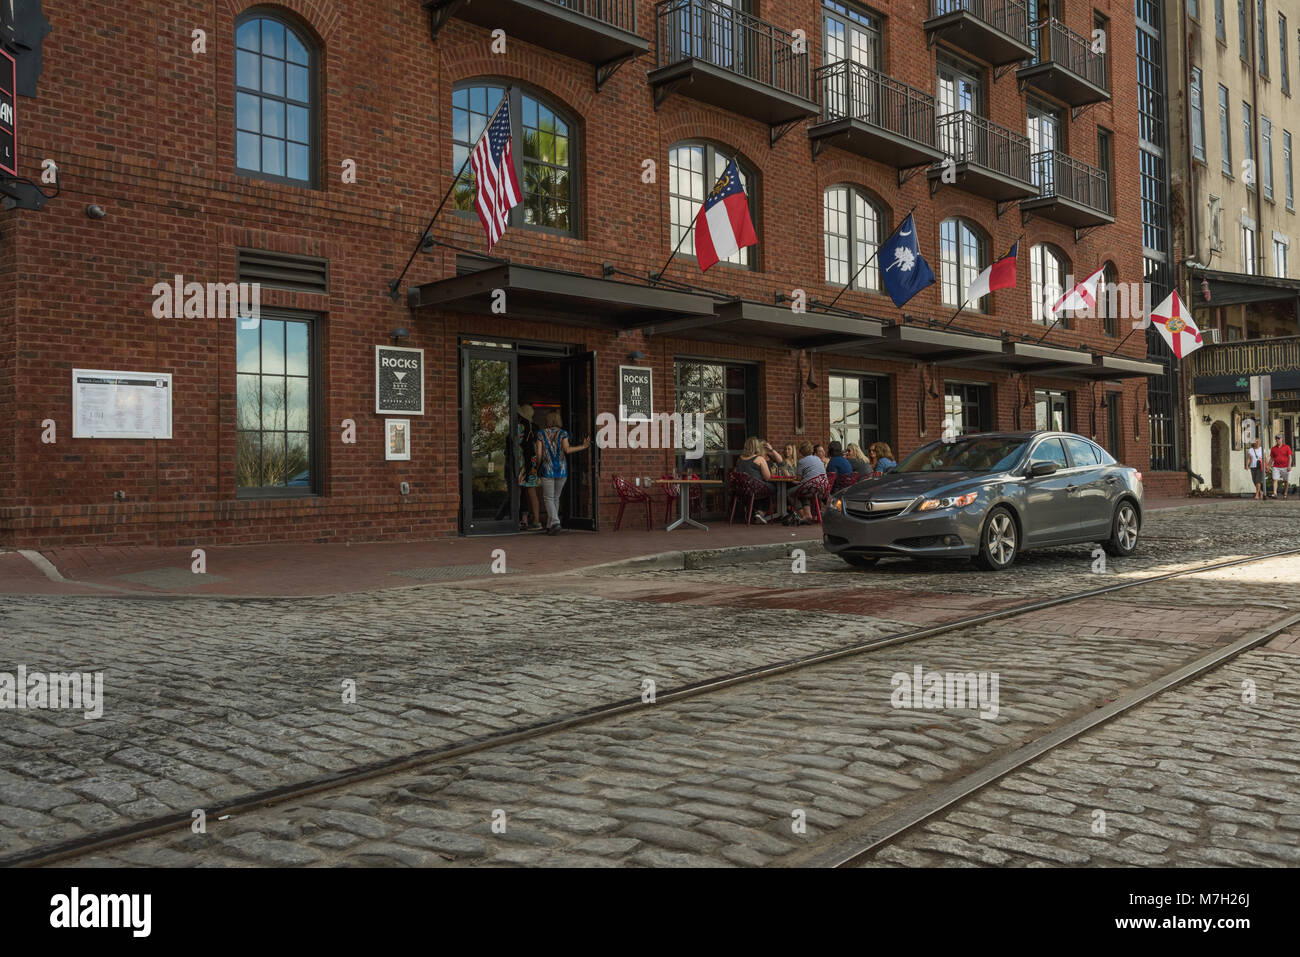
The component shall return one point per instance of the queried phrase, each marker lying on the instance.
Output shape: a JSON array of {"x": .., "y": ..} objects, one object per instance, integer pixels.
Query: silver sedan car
[{"x": 989, "y": 497}]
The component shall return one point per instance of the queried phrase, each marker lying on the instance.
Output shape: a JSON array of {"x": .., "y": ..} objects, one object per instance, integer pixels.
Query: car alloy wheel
[
  {"x": 1124, "y": 535},
  {"x": 998, "y": 546}
]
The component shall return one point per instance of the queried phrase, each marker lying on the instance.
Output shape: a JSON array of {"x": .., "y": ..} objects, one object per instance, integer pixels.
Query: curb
[{"x": 706, "y": 557}]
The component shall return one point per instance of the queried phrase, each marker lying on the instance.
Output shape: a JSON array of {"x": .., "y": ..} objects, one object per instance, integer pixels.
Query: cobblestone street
[{"x": 207, "y": 700}]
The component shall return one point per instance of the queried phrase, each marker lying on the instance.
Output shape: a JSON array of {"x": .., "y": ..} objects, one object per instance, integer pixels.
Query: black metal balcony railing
[
  {"x": 614, "y": 13},
  {"x": 1009, "y": 16},
  {"x": 971, "y": 139},
  {"x": 1057, "y": 174},
  {"x": 721, "y": 36},
  {"x": 1054, "y": 42},
  {"x": 851, "y": 90}
]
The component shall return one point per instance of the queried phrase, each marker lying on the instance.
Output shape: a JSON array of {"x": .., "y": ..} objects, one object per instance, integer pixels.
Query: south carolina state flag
[
  {"x": 1175, "y": 324},
  {"x": 1001, "y": 275},
  {"x": 723, "y": 226}
]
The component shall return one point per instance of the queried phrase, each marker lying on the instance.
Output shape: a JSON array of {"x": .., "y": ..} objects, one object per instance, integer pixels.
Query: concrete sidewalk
[{"x": 298, "y": 569}]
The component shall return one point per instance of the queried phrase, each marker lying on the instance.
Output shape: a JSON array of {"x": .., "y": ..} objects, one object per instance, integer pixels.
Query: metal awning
[
  {"x": 551, "y": 295},
  {"x": 925, "y": 344},
  {"x": 1113, "y": 367},
  {"x": 1233, "y": 288},
  {"x": 747, "y": 322}
]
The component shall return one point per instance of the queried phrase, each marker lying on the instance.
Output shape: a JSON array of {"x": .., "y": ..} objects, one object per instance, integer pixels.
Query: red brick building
[{"x": 225, "y": 157}]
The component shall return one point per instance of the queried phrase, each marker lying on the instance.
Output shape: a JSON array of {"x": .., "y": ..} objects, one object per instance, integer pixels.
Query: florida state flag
[{"x": 1175, "y": 323}]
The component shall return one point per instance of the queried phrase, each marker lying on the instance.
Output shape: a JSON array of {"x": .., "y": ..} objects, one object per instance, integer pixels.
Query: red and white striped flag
[
  {"x": 494, "y": 175},
  {"x": 1082, "y": 296}
]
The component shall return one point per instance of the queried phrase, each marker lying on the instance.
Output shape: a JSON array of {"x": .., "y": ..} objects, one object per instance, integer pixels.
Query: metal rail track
[{"x": 83, "y": 846}]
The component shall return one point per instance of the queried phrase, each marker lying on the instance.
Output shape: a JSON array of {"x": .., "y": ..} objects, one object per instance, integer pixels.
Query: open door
[
  {"x": 579, "y": 509},
  {"x": 489, "y": 499}
]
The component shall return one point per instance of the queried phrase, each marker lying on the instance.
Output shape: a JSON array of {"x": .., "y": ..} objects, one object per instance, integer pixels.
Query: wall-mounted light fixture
[
  {"x": 95, "y": 212},
  {"x": 399, "y": 334},
  {"x": 636, "y": 356}
]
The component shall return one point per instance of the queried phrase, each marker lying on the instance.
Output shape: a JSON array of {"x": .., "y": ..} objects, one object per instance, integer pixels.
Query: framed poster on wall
[
  {"x": 121, "y": 405},
  {"x": 399, "y": 380},
  {"x": 635, "y": 393},
  {"x": 397, "y": 440}
]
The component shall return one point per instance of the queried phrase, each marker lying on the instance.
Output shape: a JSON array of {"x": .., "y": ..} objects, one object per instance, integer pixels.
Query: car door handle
[{"x": 1111, "y": 480}]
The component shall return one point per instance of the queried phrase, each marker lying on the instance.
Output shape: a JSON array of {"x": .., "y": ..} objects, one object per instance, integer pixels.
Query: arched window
[
  {"x": 544, "y": 147},
  {"x": 688, "y": 184},
  {"x": 851, "y": 229},
  {"x": 1047, "y": 271},
  {"x": 275, "y": 101},
  {"x": 963, "y": 253},
  {"x": 1108, "y": 304}
]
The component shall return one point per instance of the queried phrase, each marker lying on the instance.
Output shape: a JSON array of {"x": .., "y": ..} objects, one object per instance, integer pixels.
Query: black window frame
[
  {"x": 854, "y": 15},
  {"x": 882, "y": 383},
  {"x": 315, "y": 408},
  {"x": 1106, "y": 299},
  {"x": 970, "y": 395},
  {"x": 314, "y": 86},
  {"x": 882, "y": 233},
  {"x": 1049, "y": 395},
  {"x": 516, "y": 92}
]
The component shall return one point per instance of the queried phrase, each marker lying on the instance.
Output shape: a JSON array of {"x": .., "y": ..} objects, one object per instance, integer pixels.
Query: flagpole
[
  {"x": 854, "y": 277},
  {"x": 657, "y": 276},
  {"x": 395, "y": 284},
  {"x": 965, "y": 300}
]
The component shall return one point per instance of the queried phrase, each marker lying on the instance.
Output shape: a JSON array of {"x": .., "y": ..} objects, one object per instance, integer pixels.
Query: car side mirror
[{"x": 1042, "y": 468}]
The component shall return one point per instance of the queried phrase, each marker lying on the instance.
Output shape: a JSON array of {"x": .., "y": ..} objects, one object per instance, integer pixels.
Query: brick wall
[{"x": 143, "y": 126}]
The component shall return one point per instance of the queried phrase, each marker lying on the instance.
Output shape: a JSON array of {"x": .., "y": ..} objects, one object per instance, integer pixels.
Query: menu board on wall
[
  {"x": 121, "y": 405},
  {"x": 399, "y": 380},
  {"x": 635, "y": 398}
]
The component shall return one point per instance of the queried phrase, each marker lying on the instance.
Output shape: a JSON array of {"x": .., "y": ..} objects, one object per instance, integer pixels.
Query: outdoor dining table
[
  {"x": 684, "y": 497},
  {"x": 783, "y": 484}
]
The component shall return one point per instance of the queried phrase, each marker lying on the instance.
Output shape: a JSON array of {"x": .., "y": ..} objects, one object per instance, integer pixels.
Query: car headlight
[
  {"x": 957, "y": 501},
  {"x": 836, "y": 503}
]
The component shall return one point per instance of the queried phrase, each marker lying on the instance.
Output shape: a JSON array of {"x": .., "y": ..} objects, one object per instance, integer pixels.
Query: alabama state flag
[
  {"x": 723, "y": 226},
  {"x": 1177, "y": 326}
]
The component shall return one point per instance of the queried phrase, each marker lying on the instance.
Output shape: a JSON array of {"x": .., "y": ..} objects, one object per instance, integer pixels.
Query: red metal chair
[
  {"x": 746, "y": 487},
  {"x": 629, "y": 493},
  {"x": 817, "y": 488},
  {"x": 844, "y": 481}
]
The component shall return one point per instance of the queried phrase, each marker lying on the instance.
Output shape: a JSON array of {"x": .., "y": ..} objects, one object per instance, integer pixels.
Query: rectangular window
[
  {"x": 1198, "y": 117},
  {"x": 1219, "y": 33},
  {"x": 1051, "y": 410},
  {"x": 275, "y": 386},
  {"x": 968, "y": 407},
  {"x": 1279, "y": 258},
  {"x": 1194, "y": 8},
  {"x": 1262, "y": 20},
  {"x": 1248, "y": 249},
  {"x": 1243, "y": 32},
  {"x": 859, "y": 410},
  {"x": 1225, "y": 132},
  {"x": 1284, "y": 64},
  {"x": 1248, "y": 135},
  {"x": 1266, "y": 156},
  {"x": 1216, "y": 224},
  {"x": 1288, "y": 181},
  {"x": 726, "y": 395},
  {"x": 1104, "y": 163}
]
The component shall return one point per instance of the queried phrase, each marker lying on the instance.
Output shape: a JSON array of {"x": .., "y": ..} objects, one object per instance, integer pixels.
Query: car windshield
[{"x": 974, "y": 454}]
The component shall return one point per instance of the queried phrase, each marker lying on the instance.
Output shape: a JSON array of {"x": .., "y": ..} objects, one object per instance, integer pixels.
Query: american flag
[{"x": 494, "y": 172}]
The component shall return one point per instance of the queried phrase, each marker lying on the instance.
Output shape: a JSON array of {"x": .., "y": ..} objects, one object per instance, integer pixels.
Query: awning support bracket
[
  {"x": 1000, "y": 71},
  {"x": 665, "y": 90},
  {"x": 907, "y": 172},
  {"x": 440, "y": 11},
  {"x": 1004, "y": 205},
  {"x": 1078, "y": 111},
  {"x": 604, "y": 71},
  {"x": 778, "y": 130},
  {"x": 1082, "y": 231}
]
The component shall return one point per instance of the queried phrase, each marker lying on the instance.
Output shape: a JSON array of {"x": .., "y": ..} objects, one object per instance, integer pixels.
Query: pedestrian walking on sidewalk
[
  {"x": 1255, "y": 462},
  {"x": 1283, "y": 458},
  {"x": 553, "y": 449}
]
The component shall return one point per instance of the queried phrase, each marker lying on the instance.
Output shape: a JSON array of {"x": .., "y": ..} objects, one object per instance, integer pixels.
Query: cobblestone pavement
[
  {"x": 209, "y": 699},
  {"x": 1196, "y": 777}
]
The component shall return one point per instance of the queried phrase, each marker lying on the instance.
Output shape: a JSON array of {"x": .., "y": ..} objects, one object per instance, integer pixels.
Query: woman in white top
[{"x": 1255, "y": 462}]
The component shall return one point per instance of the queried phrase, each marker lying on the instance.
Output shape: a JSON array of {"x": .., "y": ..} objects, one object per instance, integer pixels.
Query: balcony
[
  {"x": 1069, "y": 191},
  {"x": 599, "y": 32},
  {"x": 991, "y": 160},
  {"x": 1064, "y": 66},
  {"x": 995, "y": 31},
  {"x": 873, "y": 115},
  {"x": 718, "y": 55}
]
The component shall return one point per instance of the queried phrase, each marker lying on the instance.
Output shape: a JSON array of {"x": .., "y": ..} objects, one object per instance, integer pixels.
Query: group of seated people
[{"x": 761, "y": 461}]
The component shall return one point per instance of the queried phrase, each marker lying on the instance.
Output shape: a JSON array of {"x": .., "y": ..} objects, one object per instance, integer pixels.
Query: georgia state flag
[{"x": 723, "y": 226}]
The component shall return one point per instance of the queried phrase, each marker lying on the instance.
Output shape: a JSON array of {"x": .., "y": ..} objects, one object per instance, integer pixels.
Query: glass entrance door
[
  {"x": 579, "y": 509},
  {"x": 489, "y": 500}
]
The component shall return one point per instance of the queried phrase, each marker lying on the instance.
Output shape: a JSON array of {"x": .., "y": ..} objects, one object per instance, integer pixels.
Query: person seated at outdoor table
[
  {"x": 774, "y": 458},
  {"x": 859, "y": 461},
  {"x": 884, "y": 457},
  {"x": 753, "y": 463},
  {"x": 820, "y": 451},
  {"x": 837, "y": 464},
  {"x": 810, "y": 465},
  {"x": 787, "y": 463}
]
